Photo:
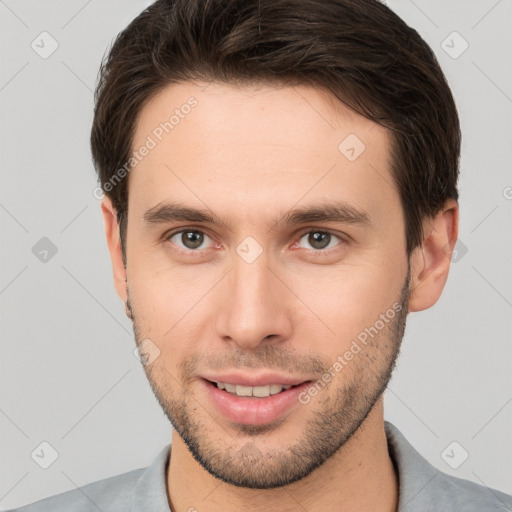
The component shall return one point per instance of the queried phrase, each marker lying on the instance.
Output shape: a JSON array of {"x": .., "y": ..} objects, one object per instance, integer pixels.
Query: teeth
[
  {"x": 230, "y": 388},
  {"x": 261, "y": 391},
  {"x": 256, "y": 391},
  {"x": 275, "y": 388},
  {"x": 243, "y": 390}
]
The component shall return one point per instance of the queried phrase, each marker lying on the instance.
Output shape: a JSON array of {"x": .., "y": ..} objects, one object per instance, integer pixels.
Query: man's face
[{"x": 265, "y": 297}]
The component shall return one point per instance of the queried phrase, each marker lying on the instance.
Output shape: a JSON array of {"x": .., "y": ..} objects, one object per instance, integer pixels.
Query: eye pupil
[
  {"x": 319, "y": 240},
  {"x": 192, "y": 239}
]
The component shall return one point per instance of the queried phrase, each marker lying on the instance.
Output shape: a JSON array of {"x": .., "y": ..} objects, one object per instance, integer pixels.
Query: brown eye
[
  {"x": 319, "y": 240},
  {"x": 188, "y": 239}
]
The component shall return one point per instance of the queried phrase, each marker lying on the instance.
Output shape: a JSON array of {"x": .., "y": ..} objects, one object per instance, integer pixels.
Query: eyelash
[{"x": 316, "y": 252}]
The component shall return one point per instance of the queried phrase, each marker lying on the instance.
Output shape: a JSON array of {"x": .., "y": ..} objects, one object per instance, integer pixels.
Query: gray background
[{"x": 68, "y": 373}]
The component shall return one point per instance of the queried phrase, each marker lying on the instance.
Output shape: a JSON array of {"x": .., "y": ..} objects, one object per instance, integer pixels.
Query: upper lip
[{"x": 261, "y": 379}]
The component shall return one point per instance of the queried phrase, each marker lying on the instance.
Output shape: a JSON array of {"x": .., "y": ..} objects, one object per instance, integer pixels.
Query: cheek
[
  {"x": 349, "y": 299},
  {"x": 170, "y": 304},
  {"x": 161, "y": 286}
]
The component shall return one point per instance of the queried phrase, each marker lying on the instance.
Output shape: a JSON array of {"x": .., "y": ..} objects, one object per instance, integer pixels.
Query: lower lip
[{"x": 254, "y": 411}]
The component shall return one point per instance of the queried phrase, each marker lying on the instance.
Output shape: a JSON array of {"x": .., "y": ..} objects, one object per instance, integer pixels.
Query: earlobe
[
  {"x": 430, "y": 263},
  {"x": 114, "y": 246}
]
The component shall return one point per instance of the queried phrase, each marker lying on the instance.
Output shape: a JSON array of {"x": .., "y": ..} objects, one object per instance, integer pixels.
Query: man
[{"x": 281, "y": 191}]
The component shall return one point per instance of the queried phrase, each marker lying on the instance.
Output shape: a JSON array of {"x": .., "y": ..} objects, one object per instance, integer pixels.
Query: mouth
[{"x": 253, "y": 405}]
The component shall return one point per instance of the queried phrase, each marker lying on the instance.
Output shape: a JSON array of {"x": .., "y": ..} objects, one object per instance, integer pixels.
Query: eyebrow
[
  {"x": 338, "y": 211},
  {"x": 328, "y": 212}
]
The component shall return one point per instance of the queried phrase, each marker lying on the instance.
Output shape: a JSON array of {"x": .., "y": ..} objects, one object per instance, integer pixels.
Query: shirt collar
[
  {"x": 150, "y": 492},
  {"x": 415, "y": 473}
]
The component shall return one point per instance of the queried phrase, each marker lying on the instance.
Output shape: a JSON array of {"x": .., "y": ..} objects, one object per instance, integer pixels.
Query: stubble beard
[{"x": 340, "y": 412}]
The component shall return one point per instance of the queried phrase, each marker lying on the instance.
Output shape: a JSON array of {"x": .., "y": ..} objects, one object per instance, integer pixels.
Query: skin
[{"x": 249, "y": 155}]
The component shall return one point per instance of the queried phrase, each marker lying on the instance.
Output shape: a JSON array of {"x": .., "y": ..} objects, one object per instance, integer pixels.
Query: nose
[{"x": 257, "y": 304}]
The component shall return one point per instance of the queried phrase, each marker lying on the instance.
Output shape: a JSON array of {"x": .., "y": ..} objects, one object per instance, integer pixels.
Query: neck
[{"x": 359, "y": 476}]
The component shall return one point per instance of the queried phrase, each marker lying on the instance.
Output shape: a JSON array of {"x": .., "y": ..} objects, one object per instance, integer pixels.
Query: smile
[{"x": 252, "y": 391}]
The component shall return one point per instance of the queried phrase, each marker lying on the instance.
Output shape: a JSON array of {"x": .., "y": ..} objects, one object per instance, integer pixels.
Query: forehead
[{"x": 259, "y": 146}]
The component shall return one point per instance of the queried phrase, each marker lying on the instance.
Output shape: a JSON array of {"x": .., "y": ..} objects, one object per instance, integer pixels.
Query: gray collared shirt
[{"x": 422, "y": 488}]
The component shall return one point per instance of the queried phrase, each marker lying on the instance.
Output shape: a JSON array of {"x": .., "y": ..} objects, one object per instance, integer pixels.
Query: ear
[
  {"x": 114, "y": 247},
  {"x": 431, "y": 261}
]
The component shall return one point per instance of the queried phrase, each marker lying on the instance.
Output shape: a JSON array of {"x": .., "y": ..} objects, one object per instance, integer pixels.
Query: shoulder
[
  {"x": 110, "y": 494},
  {"x": 139, "y": 489},
  {"x": 468, "y": 496},
  {"x": 422, "y": 487}
]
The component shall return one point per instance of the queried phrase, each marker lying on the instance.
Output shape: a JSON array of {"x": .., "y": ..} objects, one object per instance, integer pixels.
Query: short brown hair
[{"x": 359, "y": 50}]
